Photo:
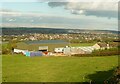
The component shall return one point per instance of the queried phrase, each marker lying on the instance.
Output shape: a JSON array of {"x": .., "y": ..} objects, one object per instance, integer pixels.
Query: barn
[{"x": 41, "y": 45}]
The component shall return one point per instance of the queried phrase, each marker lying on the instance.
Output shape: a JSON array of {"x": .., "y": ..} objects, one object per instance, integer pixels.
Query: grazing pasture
[
  {"x": 18, "y": 68},
  {"x": 81, "y": 44}
]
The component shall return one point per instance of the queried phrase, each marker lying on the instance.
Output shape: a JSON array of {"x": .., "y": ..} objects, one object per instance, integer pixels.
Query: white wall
[
  {"x": 96, "y": 46},
  {"x": 59, "y": 50}
]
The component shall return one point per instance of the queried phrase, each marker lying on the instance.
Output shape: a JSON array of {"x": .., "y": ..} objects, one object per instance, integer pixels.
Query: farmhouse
[
  {"x": 103, "y": 46},
  {"x": 42, "y": 45}
]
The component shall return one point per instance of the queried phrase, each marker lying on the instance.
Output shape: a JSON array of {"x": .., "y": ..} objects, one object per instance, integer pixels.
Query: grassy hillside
[
  {"x": 51, "y": 47},
  {"x": 81, "y": 44},
  {"x": 61, "y": 69}
]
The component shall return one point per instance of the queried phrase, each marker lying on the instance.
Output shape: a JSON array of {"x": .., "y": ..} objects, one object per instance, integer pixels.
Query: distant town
[{"x": 73, "y": 36}]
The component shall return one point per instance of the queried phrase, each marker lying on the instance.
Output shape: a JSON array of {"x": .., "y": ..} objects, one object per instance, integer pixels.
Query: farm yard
[{"x": 18, "y": 68}]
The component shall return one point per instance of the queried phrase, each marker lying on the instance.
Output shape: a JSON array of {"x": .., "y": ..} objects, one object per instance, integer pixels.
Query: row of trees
[
  {"x": 88, "y": 41},
  {"x": 8, "y": 47}
]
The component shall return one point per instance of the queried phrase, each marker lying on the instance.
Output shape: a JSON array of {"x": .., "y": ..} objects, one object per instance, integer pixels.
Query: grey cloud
[
  {"x": 119, "y": 11},
  {"x": 89, "y": 9},
  {"x": 56, "y": 4},
  {"x": 108, "y": 14},
  {"x": 7, "y": 10},
  {"x": 76, "y": 12}
]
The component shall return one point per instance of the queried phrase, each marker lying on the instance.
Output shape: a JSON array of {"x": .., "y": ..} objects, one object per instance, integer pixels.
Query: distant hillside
[
  {"x": 24, "y": 30},
  {"x": 17, "y": 31}
]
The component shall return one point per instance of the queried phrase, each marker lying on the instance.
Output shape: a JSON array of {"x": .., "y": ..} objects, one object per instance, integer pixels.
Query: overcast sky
[{"x": 71, "y": 15}]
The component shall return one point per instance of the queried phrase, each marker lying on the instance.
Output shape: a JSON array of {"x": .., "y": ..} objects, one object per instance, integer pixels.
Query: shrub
[{"x": 108, "y": 52}]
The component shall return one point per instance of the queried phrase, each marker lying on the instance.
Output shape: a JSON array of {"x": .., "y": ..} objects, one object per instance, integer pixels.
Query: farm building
[
  {"x": 28, "y": 53},
  {"x": 103, "y": 46},
  {"x": 36, "y": 53},
  {"x": 20, "y": 51},
  {"x": 59, "y": 50},
  {"x": 78, "y": 50},
  {"x": 43, "y": 48},
  {"x": 42, "y": 45}
]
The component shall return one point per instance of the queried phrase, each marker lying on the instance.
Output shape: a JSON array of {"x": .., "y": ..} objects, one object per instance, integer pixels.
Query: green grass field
[
  {"x": 51, "y": 47},
  {"x": 18, "y": 68},
  {"x": 81, "y": 44}
]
